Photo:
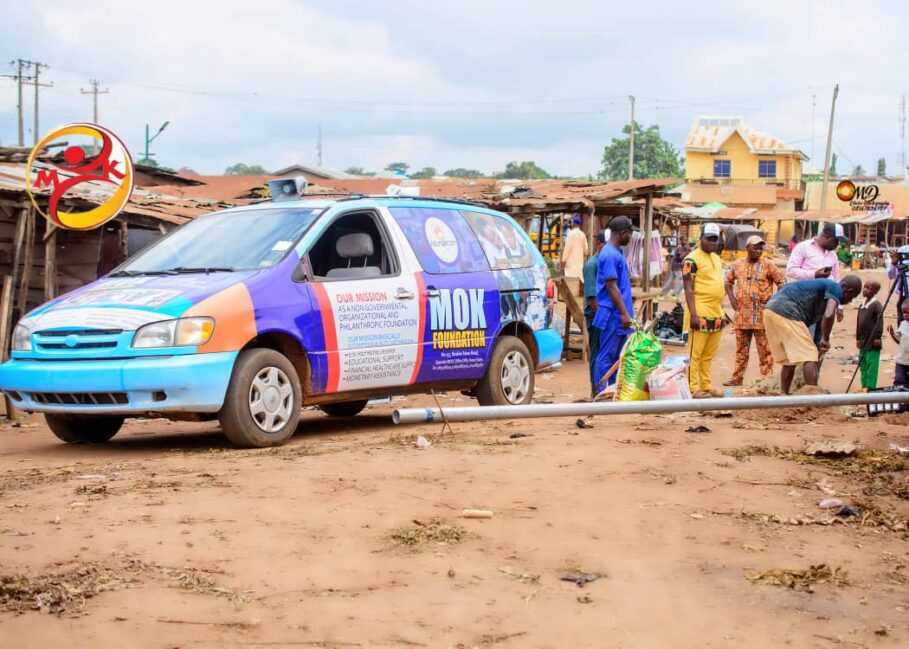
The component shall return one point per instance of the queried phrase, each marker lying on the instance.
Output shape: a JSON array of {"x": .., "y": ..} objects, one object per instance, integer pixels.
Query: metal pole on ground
[{"x": 480, "y": 413}]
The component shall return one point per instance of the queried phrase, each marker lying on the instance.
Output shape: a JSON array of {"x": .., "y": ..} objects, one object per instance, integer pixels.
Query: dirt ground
[{"x": 350, "y": 536}]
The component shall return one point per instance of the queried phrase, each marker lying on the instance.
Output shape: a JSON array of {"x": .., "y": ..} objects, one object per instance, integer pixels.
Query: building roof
[
  {"x": 709, "y": 132},
  {"x": 314, "y": 171},
  {"x": 152, "y": 205}
]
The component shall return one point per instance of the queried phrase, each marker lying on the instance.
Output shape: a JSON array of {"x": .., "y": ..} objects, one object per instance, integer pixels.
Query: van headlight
[
  {"x": 22, "y": 338},
  {"x": 181, "y": 332}
]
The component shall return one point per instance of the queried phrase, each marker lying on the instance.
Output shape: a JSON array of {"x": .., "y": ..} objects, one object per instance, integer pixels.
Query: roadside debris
[
  {"x": 697, "y": 429},
  {"x": 422, "y": 443},
  {"x": 524, "y": 577},
  {"x": 582, "y": 423},
  {"x": 801, "y": 579},
  {"x": 436, "y": 531},
  {"x": 476, "y": 513},
  {"x": 519, "y": 435},
  {"x": 580, "y": 579},
  {"x": 848, "y": 510},
  {"x": 831, "y": 503},
  {"x": 902, "y": 450},
  {"x": 831, "y": 449}
]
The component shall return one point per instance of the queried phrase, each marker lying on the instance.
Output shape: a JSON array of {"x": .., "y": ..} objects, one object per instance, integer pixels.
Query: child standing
[
  {"x": 869, "y": 329},
  {"x": 901, "y": 336}
]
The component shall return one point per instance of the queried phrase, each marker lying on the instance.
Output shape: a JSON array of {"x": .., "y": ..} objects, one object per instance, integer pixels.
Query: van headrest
[{"x": 356, "y": 244}]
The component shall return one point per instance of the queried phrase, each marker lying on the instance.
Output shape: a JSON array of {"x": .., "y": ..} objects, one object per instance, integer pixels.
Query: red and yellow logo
[
  {"x": 108, "y": 166},
  {"x": 845, "y": 191}
]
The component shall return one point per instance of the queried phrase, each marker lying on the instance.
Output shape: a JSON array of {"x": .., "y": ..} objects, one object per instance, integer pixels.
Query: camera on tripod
[{"x": 902, "y": 257}]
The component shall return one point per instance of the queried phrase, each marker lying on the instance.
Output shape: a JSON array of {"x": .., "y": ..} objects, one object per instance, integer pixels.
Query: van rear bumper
[
  {"x": 549, "y": 347},
  {"x": 186, "y": 383}
]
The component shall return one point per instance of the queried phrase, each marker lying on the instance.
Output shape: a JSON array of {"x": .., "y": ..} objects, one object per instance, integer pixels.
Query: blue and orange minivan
[{"x": 249, "y": 314}]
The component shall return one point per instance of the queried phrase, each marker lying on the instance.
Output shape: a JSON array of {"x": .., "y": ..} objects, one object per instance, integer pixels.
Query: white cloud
[{"x": 420, "y": 80}]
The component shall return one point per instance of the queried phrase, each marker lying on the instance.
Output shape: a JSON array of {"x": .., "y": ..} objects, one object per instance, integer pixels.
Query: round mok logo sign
[
  {"x": 106, "y": 164},
  {"x": 441, "y": 239}
]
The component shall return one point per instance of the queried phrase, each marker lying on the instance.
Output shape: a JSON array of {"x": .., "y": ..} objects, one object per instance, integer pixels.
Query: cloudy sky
[{"x": 467, "y": 83}]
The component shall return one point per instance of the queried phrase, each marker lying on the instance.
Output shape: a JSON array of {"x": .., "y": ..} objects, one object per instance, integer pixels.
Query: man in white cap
[
  {"x": 750, "y": 282},
  {"x": 702, "y": 278}
]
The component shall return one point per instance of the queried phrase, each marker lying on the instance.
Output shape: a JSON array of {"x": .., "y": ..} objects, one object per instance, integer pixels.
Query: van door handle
[{"x": 403, "y": 294}]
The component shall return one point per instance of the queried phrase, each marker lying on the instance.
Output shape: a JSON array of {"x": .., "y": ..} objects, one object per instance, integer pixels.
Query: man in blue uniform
[
  {"x": 614, "y": 316},
  {"x": 590, "y": 305}
]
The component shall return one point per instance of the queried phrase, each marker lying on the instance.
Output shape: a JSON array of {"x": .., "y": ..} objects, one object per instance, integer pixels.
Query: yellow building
[{"x": 728, "y": 162}]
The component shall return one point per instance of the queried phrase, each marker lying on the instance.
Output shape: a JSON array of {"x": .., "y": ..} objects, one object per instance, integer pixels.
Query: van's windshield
[{"x": 247, "y": 240}]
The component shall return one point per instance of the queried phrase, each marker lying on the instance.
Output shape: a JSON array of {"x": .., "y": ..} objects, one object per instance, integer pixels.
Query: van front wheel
[
  {"x": 83, "y": 429},
  {"x": 509, "y": 378},
  {"x": 262, "y": 407}
]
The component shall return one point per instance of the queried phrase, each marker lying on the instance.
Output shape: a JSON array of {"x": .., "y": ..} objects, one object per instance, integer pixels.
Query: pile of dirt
[
  {"x": 798, "y": 415},
  {"x": 435, "y": 531},
  {"x": 803, "y": 579}
]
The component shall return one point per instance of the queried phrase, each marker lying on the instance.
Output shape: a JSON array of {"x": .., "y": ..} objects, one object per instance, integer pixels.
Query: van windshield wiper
[
  {"x": 204, "y": 269},
  {"x": 141, "y": 273}
]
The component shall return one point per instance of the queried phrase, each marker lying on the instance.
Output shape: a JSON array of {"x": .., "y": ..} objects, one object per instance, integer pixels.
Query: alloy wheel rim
[
  {"x": 515, "y": 377},
  {"x": 271, "y": 399}
]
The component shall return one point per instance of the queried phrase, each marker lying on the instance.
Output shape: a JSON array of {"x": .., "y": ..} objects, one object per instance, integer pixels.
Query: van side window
[
  {"x": 440, "y": 239},
  {"x": 353, "y": 247},
  {"x": 504, "y": 245}
]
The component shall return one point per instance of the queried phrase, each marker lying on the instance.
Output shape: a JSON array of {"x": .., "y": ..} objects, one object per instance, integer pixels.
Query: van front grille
[{"x": 80, "y": 398}]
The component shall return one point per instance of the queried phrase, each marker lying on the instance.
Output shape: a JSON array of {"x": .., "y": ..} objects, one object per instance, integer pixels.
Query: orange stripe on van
[{"x": 235, "y": 319}]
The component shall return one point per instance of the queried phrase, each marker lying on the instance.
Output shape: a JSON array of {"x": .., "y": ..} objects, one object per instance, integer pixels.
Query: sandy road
[{"x": 195, "y": 544}]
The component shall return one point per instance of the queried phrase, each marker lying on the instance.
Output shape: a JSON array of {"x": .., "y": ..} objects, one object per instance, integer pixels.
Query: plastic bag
[
  {"x": 669, "y": 380},
  {"x": 639, "y": 358}
]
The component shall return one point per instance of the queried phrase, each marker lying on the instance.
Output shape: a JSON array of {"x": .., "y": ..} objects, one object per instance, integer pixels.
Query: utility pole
[
  {"x": 149, "y": 140},
  {"x": 94, "y": 92},
  {"x": 813, "y": 106},
  {"x": 38, "y": 85},
  {"x": 20, "y": 79},
  {"x": 631, "y": 143},
  {"x": 836, "y": 91},
  {"x": 903, "y": 135},
  {"x": 319, "y": 145}
]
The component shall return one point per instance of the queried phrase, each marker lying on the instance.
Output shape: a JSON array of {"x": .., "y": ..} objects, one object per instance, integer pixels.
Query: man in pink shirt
[{"x": 816, "y": 258}]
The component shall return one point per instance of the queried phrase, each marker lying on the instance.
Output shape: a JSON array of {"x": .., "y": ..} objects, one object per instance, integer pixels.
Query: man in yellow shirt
[{"x": 702, "y": 277}]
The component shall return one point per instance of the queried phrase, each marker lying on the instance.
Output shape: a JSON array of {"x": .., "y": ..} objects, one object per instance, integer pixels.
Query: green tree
[
  {"x": 858, "y": 170},
  {"x": 241, "y": 169},
  {"x": 833, "y": 165},
  {"x": 461, "y": 172},
  {"x": 425, "y": 172},
  {"x": 527, "y": 170},
  {"x": 881, "y": 166},
  {"x": 654, "y": 157},
  {"x": 397, "y": 167},
  {"x": 356, "y": 171},
  {"x": 148, "y": 162}
]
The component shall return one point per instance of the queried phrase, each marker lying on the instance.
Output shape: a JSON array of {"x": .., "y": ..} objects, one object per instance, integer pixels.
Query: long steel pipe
[{"x": 419, "y": 415}]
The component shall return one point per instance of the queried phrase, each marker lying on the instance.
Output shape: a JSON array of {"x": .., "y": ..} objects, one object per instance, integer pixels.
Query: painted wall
[{"x": 699, "y": 164}]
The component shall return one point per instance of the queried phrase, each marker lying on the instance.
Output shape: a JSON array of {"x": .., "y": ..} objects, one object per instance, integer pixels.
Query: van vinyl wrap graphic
[{"x": 418, "y": 324}]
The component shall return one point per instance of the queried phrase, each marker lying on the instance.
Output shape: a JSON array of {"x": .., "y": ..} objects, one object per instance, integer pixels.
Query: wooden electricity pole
[
  {"x": 94, "y": 92},
  {"x": 631, "y": 143},
  {"x": 836, "y": 91},
  {"x": 20, "y": 79}
]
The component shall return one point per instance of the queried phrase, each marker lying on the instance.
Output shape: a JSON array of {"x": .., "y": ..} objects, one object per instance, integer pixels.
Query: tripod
[{"x": 902, "y": 283}]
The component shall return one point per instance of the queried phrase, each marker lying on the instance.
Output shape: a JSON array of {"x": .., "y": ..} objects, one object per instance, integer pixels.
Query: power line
[{"x": 35, "y": 81}]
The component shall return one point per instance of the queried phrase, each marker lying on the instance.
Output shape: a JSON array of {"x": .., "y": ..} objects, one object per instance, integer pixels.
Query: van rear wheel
[
  {"x": 83, "y": 429},
  {"x": 262, "y": 407},
  {"x": 343, "y": 408},
  {"x": 509, "y": 378}
]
